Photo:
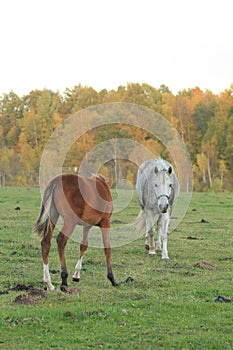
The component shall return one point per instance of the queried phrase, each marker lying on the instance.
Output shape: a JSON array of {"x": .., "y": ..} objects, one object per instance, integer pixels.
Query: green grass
[{"x": 167, "y": 306}]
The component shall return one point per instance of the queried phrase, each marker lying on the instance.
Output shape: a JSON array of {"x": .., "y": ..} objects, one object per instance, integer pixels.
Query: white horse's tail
[{"x": 140, "y": 224}]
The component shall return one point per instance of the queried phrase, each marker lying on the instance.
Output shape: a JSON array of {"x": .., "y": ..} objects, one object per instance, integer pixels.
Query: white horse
[{"x": 157, "y": 189}]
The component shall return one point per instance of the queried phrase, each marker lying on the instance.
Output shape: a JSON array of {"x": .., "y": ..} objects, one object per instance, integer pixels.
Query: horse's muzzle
[
  {"x": 163, "y": 205},
  {"x": 163, "y": 210}
]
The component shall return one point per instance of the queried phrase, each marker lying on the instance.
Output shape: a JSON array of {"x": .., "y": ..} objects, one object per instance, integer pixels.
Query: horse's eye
[
  {"x": 156, "y": 185},
  {"x": 170, "y": 185}
]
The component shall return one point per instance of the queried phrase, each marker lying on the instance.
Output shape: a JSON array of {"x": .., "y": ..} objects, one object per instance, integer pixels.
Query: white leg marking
[
  {"x": 164, "y": 230},
  {"x": 150, "y": 230},
  {"x": 159, "y": 244},
  {"x": 78, "y": 268},
  {"x": 159, "y": 228},
  {"x": 151, "y": 243},
  {"x": 47, "y": 278}
]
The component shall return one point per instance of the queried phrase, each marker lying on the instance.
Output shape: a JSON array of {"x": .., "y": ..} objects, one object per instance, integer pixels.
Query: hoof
[
  {"x": 64, "y": 289},
  {"x": 151, "y": 253},
  {"x": 166, "y": 260},
  {"x": 76, "y": 279},
  {"x": 49, "y": 287}
]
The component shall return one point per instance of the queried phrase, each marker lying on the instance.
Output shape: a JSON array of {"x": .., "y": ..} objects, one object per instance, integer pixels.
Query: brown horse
[{"x": 80, "y": 201}]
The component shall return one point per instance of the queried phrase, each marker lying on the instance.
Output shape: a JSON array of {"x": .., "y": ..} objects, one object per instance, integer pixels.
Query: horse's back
[
  {"x": 85, "y": 200},
  {"x": 144, "y": 183}
]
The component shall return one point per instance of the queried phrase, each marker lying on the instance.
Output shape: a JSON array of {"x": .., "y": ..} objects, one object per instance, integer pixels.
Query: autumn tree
[
  {"x": 78, "y": 98},
  {"x": 11, "y": 109},
  {"x": 203, "y": 119}
]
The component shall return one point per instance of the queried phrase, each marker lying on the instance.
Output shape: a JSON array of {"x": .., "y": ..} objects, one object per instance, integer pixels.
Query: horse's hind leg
[
  {"x": 45, "y": 246},
  {"x": 62, "y": 239},
  {"x": 105, "y": 228},
  {"x": 83, "y": 248}
]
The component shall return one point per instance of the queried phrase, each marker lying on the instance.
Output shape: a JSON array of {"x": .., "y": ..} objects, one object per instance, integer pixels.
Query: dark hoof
[
  {"x": 115, "y": 284},
  {"x": 64, "y": 289},
  {"x": 76, "y": 279},
  {"x": 165, "y": 260}
]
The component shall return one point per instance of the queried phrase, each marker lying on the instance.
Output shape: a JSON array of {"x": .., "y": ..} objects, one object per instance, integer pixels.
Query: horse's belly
[{"x": 90, "y": 218}]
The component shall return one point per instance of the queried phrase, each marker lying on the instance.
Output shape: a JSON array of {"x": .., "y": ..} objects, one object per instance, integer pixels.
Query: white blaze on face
[
  {"x": 163, "y": 188},
  {"x": 163, "y": 204}
]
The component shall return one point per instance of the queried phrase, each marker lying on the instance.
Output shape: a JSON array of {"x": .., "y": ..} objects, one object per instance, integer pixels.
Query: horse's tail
[
  {"x": 140, "y": 223},
  {"x": 42, "y": 225}
]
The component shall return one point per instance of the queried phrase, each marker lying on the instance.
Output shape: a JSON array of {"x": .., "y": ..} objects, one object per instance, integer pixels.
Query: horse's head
[{"x": 163, "y": 188}]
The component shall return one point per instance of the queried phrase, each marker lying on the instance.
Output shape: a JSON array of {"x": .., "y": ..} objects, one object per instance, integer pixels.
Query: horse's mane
[
  {"x": 162, "y": 164},
  {"x": 99, "y": 176}
]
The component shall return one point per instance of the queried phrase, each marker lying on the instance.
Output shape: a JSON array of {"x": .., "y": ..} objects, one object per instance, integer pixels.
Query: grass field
[{"x": 166, "y": 306}]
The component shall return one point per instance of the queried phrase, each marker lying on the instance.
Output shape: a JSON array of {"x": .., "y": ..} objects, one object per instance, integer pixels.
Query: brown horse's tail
[{"x": 41, "y": 227}]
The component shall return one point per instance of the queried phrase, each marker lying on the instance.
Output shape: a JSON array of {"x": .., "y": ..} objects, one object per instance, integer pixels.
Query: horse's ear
[
  {"x": 169, "y": 170},
  {"x": 109, "y": 183},
  {"x": 156, "y": 170}
]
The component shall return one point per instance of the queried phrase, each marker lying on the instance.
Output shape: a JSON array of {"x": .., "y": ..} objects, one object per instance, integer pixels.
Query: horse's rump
[{"x": 84, "y": 201}]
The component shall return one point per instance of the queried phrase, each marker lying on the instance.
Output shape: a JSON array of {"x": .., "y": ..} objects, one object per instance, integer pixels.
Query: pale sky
[{"x": 57, "y": 44}]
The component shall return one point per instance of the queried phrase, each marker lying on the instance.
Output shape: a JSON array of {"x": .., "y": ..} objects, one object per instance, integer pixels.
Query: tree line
[{"x": 203, "y": 119}]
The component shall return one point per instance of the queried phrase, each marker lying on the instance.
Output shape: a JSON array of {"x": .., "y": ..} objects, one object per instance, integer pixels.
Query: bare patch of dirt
[
  {"x": 73, "y": 290},
  {"x": 205, "y": 265},
  {"x": 69, "y": 314},
  {"x": 30, "y": 298},
  {"x": 21, "y": 287},
  {"x": 25, "y": 299},
  {"x": 91, "y": 313},
  {"x": 14, "y": 322},
  {"x": 69, "y": 291},
  {"x": 37, "y": 292}
]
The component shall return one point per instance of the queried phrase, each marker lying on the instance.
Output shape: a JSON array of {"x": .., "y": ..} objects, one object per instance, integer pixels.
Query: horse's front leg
[
  {"x": 159, "y": 241},
  {"x": 163, "y": 232},
  {"x": 45, "y": 245},
  {"x": 83, "y": 248},
  {"x": 150, "y": 231}
]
